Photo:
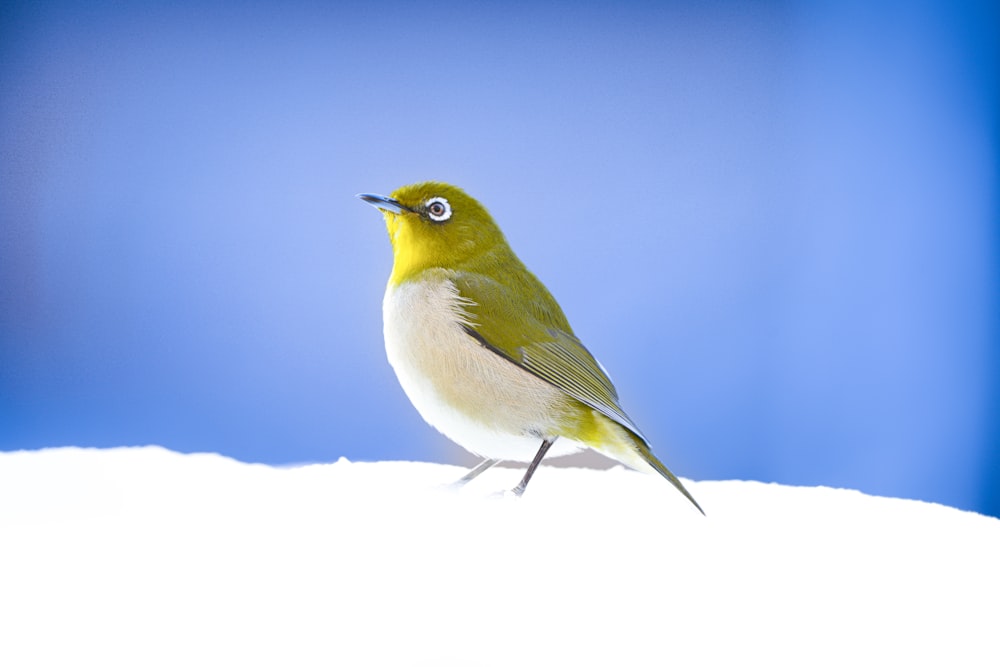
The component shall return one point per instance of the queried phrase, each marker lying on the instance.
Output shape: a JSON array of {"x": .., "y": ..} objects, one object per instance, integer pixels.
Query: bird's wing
[{"x": 533, "y": 333}]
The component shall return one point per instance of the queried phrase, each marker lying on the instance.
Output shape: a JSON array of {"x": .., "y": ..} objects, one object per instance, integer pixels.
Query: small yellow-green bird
[{"x": 482, "y": 349}]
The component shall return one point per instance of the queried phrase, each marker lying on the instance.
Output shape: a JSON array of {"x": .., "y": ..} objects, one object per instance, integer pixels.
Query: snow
[{"x": 142, "y": 556}]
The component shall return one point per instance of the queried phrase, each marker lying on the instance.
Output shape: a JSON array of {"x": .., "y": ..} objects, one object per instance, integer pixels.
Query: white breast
[{"x": 482, "y": 401}]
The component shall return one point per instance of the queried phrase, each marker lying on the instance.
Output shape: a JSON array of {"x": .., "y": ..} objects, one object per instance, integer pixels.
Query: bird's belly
[{"x": 475, "y": 397}]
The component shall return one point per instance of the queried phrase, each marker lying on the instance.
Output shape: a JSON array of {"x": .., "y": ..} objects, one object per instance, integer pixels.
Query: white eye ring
[{"x": 438, "y": 209}]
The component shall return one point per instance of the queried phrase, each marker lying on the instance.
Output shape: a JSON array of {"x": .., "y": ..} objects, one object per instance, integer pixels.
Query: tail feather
[
  {"x": 657, "y": 465},
  {"x": 622, "y": 444}
]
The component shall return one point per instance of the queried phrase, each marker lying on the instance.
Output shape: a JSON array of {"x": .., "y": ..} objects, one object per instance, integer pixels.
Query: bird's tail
[
  {"x": 643, "y": 449},
  {"x": 632, "y": 450}
]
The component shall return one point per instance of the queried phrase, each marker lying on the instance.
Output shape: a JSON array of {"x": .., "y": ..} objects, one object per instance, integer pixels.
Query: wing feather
[{"x": 538, "y": 338}]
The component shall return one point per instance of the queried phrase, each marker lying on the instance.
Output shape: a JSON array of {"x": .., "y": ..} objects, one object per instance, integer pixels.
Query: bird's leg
[
  {"x": 519, "y": 489},
  {"x": 483, "y": 466}
]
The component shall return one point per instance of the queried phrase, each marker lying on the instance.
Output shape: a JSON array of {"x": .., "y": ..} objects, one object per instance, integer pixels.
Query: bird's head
[{"x": 435, "y": 225}]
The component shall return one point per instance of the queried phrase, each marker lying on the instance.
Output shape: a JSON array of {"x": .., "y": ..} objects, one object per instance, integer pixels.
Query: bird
[{"x": 482, "y": 349}]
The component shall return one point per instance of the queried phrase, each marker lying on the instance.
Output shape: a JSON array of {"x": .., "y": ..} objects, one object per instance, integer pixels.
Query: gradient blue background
[{"x": 775, "y": 223}]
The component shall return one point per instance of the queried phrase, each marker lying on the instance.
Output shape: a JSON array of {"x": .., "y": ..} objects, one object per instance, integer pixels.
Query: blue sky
[{"x": 775, "y": 223}]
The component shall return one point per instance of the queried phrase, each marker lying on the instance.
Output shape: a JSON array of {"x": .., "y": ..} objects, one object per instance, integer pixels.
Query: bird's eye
[{"x": 438, "y": 209}]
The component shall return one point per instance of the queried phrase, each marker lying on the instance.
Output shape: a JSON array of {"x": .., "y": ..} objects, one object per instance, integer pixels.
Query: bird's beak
[{"x": 384, "y": 203}]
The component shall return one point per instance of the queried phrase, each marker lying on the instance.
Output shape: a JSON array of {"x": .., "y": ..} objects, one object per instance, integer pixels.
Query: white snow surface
[{"x": 143, "y": 556}]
